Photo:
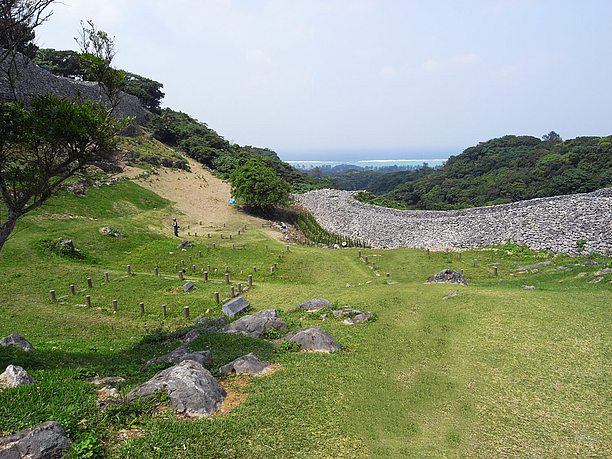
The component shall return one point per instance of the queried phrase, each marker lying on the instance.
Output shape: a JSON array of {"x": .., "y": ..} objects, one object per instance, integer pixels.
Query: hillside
[{"x": 508, "y": 169}]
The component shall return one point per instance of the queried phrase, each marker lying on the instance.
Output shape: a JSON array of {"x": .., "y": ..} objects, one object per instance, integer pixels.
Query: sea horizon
[{"x": 375, "y": 163}]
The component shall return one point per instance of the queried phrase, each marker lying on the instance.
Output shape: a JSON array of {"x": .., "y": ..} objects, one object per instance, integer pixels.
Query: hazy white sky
[{"x": 365, "y": 78}]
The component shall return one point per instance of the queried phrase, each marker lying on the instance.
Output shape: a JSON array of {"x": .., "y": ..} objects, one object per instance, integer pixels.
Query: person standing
[{"x": 175, "y": 226}]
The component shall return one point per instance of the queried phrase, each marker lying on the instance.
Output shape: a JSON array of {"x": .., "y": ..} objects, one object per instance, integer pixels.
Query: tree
[
  {"x": 258, "y": 186},
  {"x": 97, "y": 54},
  {"x": 148, "y": 91},
  {"x": 18, "y": 19},
  {"x": 552, "y": 137},
  {"x": 43, "y": 145}
]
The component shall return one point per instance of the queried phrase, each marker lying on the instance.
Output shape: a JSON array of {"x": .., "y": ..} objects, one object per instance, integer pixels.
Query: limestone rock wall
[
  {"x": 33, "y": 80},
  {"x": 554, "y": 223}
]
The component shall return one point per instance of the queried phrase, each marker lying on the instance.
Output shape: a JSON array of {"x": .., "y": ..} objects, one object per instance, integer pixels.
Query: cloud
[{"x": 466, "y": 59}]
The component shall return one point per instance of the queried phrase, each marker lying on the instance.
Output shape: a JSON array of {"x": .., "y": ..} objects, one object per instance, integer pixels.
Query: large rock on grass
[
  {"x": 255, "y": 325},
  {"x": 315, "y": 304},
  {"x": 235, "y": 306},
  {"x": 45, "y": 441},
  {"x": 17, "y": 340},
  {"x": 246, "y": 365},
  {"x": 15, "y": 376},
  {"x": 447, "y": 276},
  {"x": 191, "y": 388},
  {"x": 181, "y": 353},
  {"x": 315, "y": 339}
]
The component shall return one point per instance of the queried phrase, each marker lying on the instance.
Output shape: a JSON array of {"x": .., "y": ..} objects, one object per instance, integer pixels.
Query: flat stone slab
[
  {"x": 45, "y": 441},
  {"x": 345, "y": 312},
  {"x": 235, "y": 306},
  {"x": 315, "y": 339},
  {"x": 181, "y": 353},
  {"x": 188, "y": 286},
  {"x": 603, "y": 272},
  {"x": 447, "y": 276},
  {"x": 15, "y": 376},
  {"x": 184, "y": 244},
  {"x": 246, "y": 365},
  {"x": 15, "y": 339},
  {"x": 359, "y": 318},
  {"x": 313, "y": 305},
  {"x": 255, "y": 325},
  {"x": 191, "y": 388}
]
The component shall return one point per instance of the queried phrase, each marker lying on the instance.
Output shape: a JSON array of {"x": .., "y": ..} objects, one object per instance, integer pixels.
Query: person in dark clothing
[{"x": 175, "y": 227}]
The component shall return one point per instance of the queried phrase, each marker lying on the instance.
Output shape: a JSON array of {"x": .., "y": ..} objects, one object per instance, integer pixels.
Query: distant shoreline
[{"x": 375, "y": 163}]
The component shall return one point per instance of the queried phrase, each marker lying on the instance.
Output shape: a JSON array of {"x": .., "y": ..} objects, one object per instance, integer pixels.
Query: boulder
[
  {"x": 315, "y": 339},
  {"x": 359, "y": 318},
  {"x": 255, "y": 325},
  {"x": 109, "y": 232},
  {"x": 603, "y": 272},
  {"x": 184, "y": 244},
  {"x": 15, "y": 376},
  {"x": 191, "y": 388},
  {"x": 235, "y": 306},
  {"x": 17, "y": 340},
  {"x": 181, "y": 353},
  {"x": 45, "y": 441},
  {"x": 246, "y": 365},
  {"x": 188, "y": 286},
  {"x": 447, "y": 276},
  {"x": 313, "y": 305}
]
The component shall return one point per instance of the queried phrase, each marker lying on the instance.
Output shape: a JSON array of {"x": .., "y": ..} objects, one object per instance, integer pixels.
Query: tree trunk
[{"x": 7, "y": 228}]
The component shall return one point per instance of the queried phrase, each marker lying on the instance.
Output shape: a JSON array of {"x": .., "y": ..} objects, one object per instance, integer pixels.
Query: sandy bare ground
[{"x": 198, "y": 194}]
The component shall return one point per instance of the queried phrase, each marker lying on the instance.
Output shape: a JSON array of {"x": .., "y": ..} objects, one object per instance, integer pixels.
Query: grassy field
[{"x": 496, "y": 371}]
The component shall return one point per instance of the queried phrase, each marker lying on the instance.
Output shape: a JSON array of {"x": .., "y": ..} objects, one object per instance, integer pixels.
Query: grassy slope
[{"x": 496, "y": 371}]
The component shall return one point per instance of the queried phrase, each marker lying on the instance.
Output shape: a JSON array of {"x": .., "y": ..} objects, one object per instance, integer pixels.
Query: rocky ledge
[{"x": 556, "y": 223}]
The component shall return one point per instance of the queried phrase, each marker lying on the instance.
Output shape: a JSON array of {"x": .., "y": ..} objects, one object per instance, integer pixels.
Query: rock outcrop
[
  {"x": 315, "y": 339},
  {"x": 255, "y": 325},
  {"x": 45, "y": 441},
  {"x": 246, "y": 365},
  {"x": 15, "y": 339}
]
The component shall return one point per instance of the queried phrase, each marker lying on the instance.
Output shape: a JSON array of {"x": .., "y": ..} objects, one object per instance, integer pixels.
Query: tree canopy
[{"x": 258, "y": 186}]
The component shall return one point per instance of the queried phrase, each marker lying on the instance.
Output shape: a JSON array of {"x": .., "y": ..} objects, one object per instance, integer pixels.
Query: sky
[{"x": 365, "y": 79}]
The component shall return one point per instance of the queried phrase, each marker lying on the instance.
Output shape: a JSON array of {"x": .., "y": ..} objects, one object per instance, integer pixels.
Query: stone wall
[
  {"x": 33, "y": 80},
  {"x": 554, "y": 223}
]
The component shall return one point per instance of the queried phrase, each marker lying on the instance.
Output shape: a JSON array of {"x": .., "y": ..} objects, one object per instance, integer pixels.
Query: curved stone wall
[{"x": 555, "y": 223}]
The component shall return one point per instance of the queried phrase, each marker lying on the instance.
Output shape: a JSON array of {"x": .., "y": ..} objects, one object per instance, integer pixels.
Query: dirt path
[{"x": 200, "y": 195}]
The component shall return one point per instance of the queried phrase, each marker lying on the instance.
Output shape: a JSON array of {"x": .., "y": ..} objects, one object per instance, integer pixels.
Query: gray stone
[
  {"x": 315, "y": 339},
  {"x": 15, "y": 376},
  {"x": 191, "y": 388},
  {"x": 17, "y": 340},
  {"x": 255, "y": 325},
  {"x": 184, "y": 244},
  {"x": 45, "y": 441},
  {"x": 109, "y": 232},
  {"x": 235, "y": 306},
  {"x": 246, "y": 365},
  {"x": 450, "y": 295},
  {"x": 188, "y": 286},
  {"x": 315, "y": 304},
  {"x": 596, "y": 280},
  {"x": 345, "y": 312},
  {"x": 182, "y": 353},
  {"x": 359, "y": 318},
  {"x": 103, "y": 381},
  {"x": 107, "y": 396},
  {"x": 535, "y": 265},
  {"x": 603, "y": 272},
  {"x": 528, "y": 287},
  {"x": 447, "y": 276},
  {"x": 190, "y": 336},
  {"x": 563, "y": 268}
]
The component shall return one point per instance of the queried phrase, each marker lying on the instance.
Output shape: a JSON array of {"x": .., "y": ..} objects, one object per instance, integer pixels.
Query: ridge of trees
[{"x": 502, "y": 170}]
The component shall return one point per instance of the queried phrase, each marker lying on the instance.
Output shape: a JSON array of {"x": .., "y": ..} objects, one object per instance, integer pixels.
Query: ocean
[{"x": 370, "y": 163}]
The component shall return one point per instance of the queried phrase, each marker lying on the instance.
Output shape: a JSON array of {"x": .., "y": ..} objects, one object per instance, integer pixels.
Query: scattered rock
[
  {"x": 181, "y": 353},
  {"x": 447, "y": 276},
  {"x": 188, "y": 286},
  {"x": 107, "y": 396},
  {"x": 528, "y": 287},
  {"x": 359, "y": 318},
  {"x": 345, "y": 312},
  {"x": 110, "y": 232},
  {"x": 246, "y": 365},
  {"x": 184, "y": 244},
  {"x": 15, "y": 339},
  {"x": 520, "y": 267},
  {"x": 107, "y": 380},
  {"x": 190, "y": 336},
  {"x": 235, "y": 306},
  {"x": 208, "y": 324},
  {"x": 596, "y": 280},
  {"x": 316, "y": 304},
  {"x": 15, "y": 376},
  {"x": 450, "y": 295},
  {"x": 315, "y": 339},
  {"x": 45, "y": 441},
  {"x": 191, "y": 388},
  {"x": 255, "y": 325},
  {"x": 603, "y": 272},
  {"x": 563, "y": 268}
]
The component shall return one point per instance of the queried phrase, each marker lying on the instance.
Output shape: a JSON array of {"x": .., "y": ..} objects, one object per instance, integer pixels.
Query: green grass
[{"x": 497, "y": 371}]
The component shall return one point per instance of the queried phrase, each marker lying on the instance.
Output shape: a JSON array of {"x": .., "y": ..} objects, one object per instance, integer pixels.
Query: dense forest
[{"x": 503, "y": 170}]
